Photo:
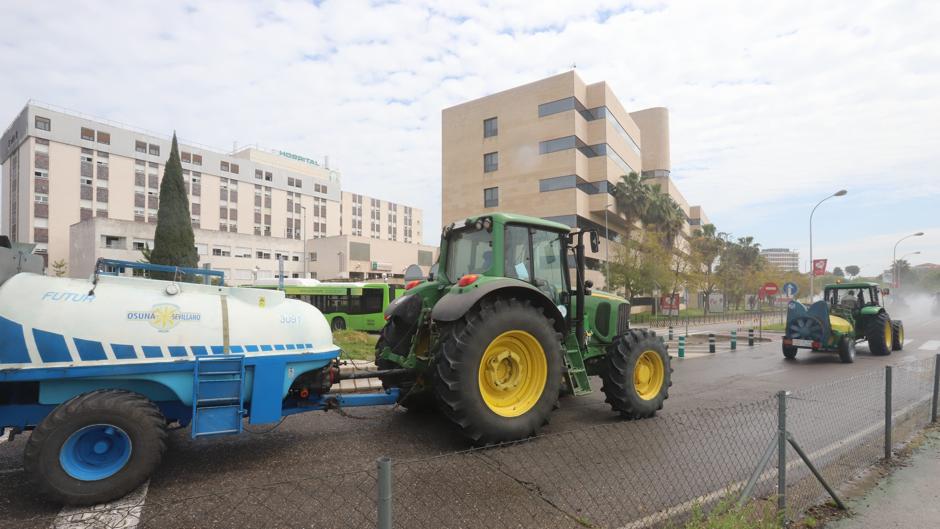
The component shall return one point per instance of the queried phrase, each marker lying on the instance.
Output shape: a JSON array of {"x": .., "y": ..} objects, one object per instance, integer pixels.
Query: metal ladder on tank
[{"x": 218, "y": 403}]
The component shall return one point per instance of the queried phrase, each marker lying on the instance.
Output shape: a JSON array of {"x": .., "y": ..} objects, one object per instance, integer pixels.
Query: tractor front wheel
[
  {"x": 897, "y": 328},
  {"x": 637, "y": 374},
  {"x": 499, "y": 371},
  {"x": 880, "y": 335}
]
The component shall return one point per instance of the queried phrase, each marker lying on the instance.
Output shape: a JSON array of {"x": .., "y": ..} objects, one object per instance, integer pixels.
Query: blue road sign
[{"x": 790, "y": 289}]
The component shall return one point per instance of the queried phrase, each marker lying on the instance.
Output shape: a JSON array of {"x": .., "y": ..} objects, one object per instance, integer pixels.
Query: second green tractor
[{"x": 507, "y": 323}]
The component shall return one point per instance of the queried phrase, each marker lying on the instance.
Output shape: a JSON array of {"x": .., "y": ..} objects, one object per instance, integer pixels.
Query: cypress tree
[{"x": 173, "y": 242}]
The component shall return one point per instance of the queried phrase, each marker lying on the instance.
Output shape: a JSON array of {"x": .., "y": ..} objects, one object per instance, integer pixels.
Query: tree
[
  {"x": 837, "y": 271},
  {"x": 173, "y": 242},
  {"x": 639, "y": 266},
  {"x": 852, "y": 270},
  {"x": 60, "y": 268},
  {"x": 632, "y": 197},
  {"x": 705, "y": 247}
]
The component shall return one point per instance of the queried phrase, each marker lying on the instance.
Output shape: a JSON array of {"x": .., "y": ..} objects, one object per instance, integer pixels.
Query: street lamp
[
  {"x": 812, "y": 271},
  {"x": 303, "y": 231},
  {"x": 894, "y": 257}
]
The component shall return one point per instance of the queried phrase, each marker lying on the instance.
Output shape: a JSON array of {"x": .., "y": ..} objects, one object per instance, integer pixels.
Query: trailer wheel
[
  {"x": 96, "y": 447},
  {"x": 847, "y": 350},
  {"x": 338, "y": 324},
  {"x": 789, "y": 352}
]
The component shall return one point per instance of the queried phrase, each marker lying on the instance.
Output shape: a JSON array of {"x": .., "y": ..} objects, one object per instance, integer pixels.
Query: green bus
[{"x": 356, "y": 306}]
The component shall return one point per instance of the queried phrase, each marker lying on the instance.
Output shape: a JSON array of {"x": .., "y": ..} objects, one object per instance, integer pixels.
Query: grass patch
[
  {"x": 356, "y": 345},
  {"x": 774, "y": 327},
  {"x": 727, "y": 515}
]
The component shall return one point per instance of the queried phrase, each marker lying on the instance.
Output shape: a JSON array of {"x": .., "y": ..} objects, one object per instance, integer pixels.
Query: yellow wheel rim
[
  {"x": 649, "y": 373},
  {"x": 888, "y": 340},
  {"x": 513, "y": 373}
]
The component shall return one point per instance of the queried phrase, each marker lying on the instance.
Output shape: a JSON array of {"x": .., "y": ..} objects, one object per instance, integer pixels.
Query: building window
[
  {"x": 491, "y": 197},
  {"x": 259, "y": 174},
  {"x": 88, "y": 134},
  {"x": 557, "y": 144},
  {"x": 268, "y": 177},
  {"x": 154, "y": 149},
  {"x": 43, "y": 123},
  {"x": 186, "y": 157},
  {"x": 234, "y": 168},
  {"x": 140, "y": 146},
  {"x": 104, "y": 138},
  {"x": 490, "y": 162},
  {"x": 224, "y": 166},
  {"x": 490, "y": 128},
  {"x": 197, "y": 159}
]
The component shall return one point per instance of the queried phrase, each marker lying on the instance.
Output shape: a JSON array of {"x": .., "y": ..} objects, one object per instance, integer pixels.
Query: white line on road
[
  {"x": 930, "y": 345},
  {"x": 907, "y": 341},
  {"x": 121, "y": 514},
  {"x": 715, "y": 495}
]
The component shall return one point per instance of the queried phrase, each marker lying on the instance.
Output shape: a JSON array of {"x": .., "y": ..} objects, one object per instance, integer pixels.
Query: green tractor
[
  {"x": 848, "y": 313},
  {"x": 499, "y": 331}
]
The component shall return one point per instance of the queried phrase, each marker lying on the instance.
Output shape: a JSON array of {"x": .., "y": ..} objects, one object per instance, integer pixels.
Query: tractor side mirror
[
  {"x": 885, "y": 291},
  {"x": 588, "y": 285},
  {"x": 595, "y": 242}
]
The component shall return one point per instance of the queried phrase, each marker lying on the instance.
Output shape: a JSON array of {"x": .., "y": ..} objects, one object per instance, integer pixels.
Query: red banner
[{"x": 819, "y": 267}]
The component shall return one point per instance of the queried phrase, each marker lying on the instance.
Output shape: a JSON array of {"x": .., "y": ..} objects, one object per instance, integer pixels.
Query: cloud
[{"x": 772, "y": 104}]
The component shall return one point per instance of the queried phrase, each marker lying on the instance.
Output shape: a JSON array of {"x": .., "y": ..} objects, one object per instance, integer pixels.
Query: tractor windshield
[{"x": 469, "y": 251}]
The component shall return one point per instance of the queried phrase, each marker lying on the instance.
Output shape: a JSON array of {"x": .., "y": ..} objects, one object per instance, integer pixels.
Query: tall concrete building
[
  {"x": 82, "y": 188},
  {"x": 554, "y": 149},
  {"x": 783, "y": 258}
]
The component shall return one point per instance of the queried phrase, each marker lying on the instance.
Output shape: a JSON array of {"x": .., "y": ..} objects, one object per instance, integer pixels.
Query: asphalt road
[{"x": 317, "y": 469}]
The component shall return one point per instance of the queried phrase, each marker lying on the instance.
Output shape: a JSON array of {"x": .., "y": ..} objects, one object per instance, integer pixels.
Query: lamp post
[
  {"x": 812, "y": 271},
  {"x": 303, "y": 232},
  {"x": 894, "y": 257}
]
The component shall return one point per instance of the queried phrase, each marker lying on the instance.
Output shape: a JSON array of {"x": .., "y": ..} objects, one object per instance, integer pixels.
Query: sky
[{"x": 773, "y": 105}]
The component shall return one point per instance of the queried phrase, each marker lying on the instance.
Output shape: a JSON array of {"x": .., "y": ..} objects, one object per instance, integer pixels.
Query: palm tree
[{"x": 632, "y": 196}]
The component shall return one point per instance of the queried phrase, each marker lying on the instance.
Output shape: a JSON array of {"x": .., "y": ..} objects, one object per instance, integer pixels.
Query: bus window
[{"x": 372, "y": 301}]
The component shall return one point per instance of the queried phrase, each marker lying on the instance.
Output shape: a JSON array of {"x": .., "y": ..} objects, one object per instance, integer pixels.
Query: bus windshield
[{"x": 469, "y": 251}]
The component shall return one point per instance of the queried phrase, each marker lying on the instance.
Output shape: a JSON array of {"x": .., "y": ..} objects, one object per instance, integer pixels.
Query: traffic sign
[
  {"x": 770, "y": 289},
  {"x": 790, "y": 289}
]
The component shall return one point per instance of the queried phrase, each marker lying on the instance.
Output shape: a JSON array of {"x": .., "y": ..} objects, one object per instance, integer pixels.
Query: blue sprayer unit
[{"x": 97, "y": 368}]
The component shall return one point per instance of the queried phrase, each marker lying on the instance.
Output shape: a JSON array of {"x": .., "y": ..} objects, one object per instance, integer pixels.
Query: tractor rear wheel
[
  {"x": 897, "y": 328},
  {"x": 789, "y": 352},
  {"x": 637, "y": 374},
  {"x": 847, "y": 350},
  {"x": 499, "y": 371},
  {"x": 880, "y": 335}
]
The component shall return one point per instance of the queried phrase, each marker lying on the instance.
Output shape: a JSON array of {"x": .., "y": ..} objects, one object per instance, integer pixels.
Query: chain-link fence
[
  {"x": 624, "y": 474},
  {"x": 747, "y": 318}
]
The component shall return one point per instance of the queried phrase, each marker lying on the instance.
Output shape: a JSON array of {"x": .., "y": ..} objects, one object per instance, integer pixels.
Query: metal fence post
[
  {"x": 782, "y": 456},
  {"x": 936, "y": 389},
  {"x": 385, "y": 492},
  {"x": 888, "y": 372}
]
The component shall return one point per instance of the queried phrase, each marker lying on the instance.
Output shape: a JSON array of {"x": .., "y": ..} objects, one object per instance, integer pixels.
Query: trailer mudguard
[{"x": 453, "y": 305}]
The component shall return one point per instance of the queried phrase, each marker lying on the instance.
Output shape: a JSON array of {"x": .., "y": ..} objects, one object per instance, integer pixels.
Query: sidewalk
[{"x": 908, "y": 498}]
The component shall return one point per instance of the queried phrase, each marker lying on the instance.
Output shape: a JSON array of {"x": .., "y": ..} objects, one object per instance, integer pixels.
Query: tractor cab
[{"x": 847, "y": 300}]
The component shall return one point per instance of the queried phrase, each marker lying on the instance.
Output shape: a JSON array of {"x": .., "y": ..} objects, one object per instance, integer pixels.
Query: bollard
[
  {"x": 888, "y": 410},
  {"x": 670, "y": 333},
  {"x": 385, "y": 493},
  {"x": 711, "y": 342},
  {"x": 734, "y": 339},
  {"x": 682, "y": 347},
  {"x": 750, "y": 337}
]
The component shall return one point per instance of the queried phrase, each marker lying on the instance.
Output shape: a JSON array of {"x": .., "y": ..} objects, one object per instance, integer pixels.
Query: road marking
[
  {"x": 907, "y": 341},
  {"x": 930, "y": 345},
  {"x": 120, "y": 514},
  {"x": 715, "y": 495}
]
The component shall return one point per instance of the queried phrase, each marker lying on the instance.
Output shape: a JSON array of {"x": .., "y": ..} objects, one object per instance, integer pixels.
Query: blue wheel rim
[{"x": 95, "y": 452}]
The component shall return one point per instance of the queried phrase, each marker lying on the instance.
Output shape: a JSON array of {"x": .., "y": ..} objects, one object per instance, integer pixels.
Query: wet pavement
[{"x": 908, "y": 498}]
